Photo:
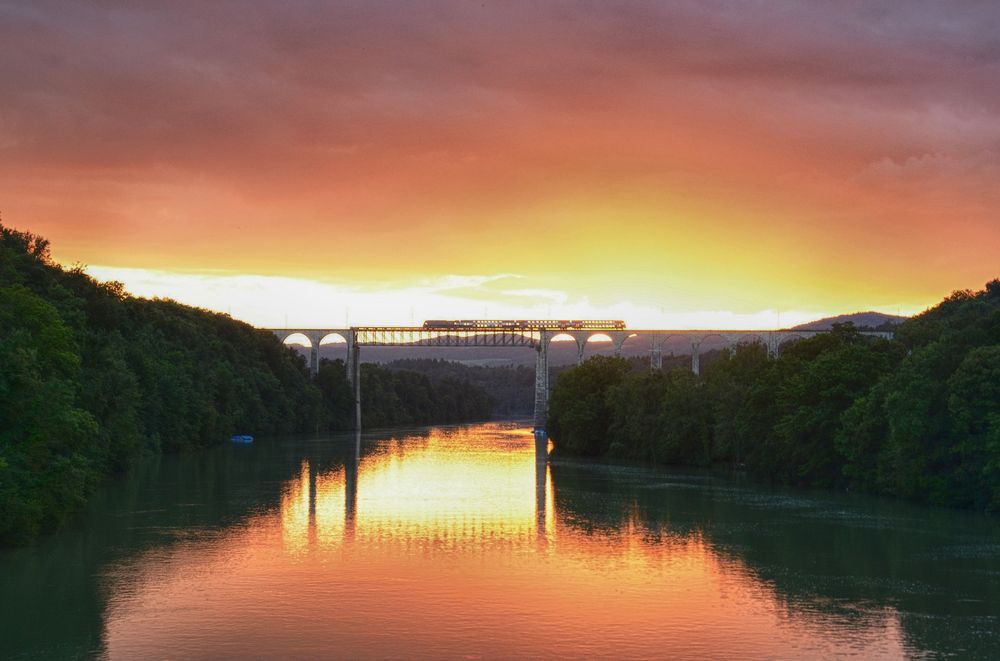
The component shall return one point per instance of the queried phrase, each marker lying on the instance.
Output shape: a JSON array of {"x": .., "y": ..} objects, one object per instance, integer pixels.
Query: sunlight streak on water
[
  {"x": 474, "y": 542},
  {"x": 456, "y": 546}
]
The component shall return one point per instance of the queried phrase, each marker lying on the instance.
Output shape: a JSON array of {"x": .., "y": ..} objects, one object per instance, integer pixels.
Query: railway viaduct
[{"x": 536, "y": 338}]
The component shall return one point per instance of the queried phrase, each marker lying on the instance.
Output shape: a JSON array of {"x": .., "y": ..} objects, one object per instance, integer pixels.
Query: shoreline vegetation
[
  {"x": 92, "y": 378},
  {"x": 916, "y": 417}
]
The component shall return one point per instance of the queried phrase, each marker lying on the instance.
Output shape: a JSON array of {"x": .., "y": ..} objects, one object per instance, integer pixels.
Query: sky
[{"x": 682, "y": 164}]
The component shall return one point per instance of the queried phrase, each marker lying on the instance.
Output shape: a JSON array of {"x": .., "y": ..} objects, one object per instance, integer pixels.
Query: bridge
[{"x": 534, "y": 335}]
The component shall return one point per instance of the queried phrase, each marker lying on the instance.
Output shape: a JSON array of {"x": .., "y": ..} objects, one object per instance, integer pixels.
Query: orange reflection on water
[
  {"x": 452, "y": 544},
  {"x": 421, "y": 492}
]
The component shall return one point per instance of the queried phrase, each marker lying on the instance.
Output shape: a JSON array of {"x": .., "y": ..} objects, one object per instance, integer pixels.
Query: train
[{"x": 523, "y": 324}]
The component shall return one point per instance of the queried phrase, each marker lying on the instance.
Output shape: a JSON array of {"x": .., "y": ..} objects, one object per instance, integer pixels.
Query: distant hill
[{"x": 862, "y": 320}]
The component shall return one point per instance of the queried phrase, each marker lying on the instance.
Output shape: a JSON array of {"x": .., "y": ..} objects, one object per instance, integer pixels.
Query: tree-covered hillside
[
  {"x": 92, "y": 378},
  {"x": 511, "y": 387},
  {"x": 916, "y": 417}
]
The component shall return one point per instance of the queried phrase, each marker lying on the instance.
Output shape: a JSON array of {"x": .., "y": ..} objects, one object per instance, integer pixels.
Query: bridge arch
[
  {"x": 632, "y": 340},
  {"x": 333, "y": 345},
  {"x": 667, "y": 339},
  {"x": 784, "y": 339},
  {"x": 752, "y": 338},
  {"x": 600, "y": 337},
  {"x": 565, "y": 337},
  {"x": 597, "y": 343},
  {"x": 564, "y": 341},
  {"x": 333, "y": 337},
  {"x": 297, "y": 337},
  {"x": 660, "y": 344},
  {"x": 709, "y": 341},
  {"x": 712, "y": 338}
]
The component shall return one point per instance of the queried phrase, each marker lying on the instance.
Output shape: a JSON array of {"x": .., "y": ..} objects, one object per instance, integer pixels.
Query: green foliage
[
  {"x": 927, "y": 431},
  {"x": 819, "y": 379},
  {"x": 974, "y": 408},
  {"x": 337, "y": 395},
  {"x": 580, "y": 412},
  {"x": 407, "y": 398},
  {"x": 916, "y": 417},
  {"x": 635, "y": 430},
  {"x": 91, "y": 379},
  {"x": 511, "y": 388},
  {"x": 43, "y": 433},
  {"x": 738, "y": 389}
]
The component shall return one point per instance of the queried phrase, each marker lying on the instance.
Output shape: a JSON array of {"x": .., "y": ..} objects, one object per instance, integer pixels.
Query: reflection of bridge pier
[
  {"x": 351, "y": 466},
  {"x": 538, "y": 336},
  {"x": 312, "y": 502},
  {"x": 541, "y": 480}
]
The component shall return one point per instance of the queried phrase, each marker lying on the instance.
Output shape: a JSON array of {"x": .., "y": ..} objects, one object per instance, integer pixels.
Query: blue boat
[{"x": 242, "y": 438}]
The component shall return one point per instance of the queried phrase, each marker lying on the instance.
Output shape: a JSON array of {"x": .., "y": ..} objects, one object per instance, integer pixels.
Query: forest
[
  {"x": 394, "y": 397},
  {"x": 92, "y": 378},
  {"x": 511, "y": 387},
  {"x": 916, "y": 417}
]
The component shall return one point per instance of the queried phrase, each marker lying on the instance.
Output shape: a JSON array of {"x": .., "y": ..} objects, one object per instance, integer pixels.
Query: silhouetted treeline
[
  {"x": 91, "y": 378},
  {"x": 511, "y": 388},
  {"x": 403, "y": 397},
  {"x": 399, "y": 397},
  {"x": 917, "y": 416}
]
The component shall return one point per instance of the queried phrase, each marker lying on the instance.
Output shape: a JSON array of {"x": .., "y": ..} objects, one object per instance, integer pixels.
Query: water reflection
[
  {"x": 846, "y": 567},
  {"x": 432, "y": 492},
  {"x": 472, "y": 542}
]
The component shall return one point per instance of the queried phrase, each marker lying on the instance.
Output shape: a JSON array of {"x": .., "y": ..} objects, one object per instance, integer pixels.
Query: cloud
[
  {"x": 396, "y": 143},
  {"x": 268, "y": 301},
  {"x": 454, "y": 282},
  {"x": 266, "y": 91},
  {"x": 549, "y": 295}
]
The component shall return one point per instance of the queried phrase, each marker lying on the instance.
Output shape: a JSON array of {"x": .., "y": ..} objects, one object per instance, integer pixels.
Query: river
[{"x": 469, "y": 542}]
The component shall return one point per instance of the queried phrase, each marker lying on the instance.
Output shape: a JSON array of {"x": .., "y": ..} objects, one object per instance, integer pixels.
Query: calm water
[{"x": 467, "y": 543}]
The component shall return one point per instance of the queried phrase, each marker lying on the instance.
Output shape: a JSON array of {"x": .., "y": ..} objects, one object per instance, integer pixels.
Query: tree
[
  {"x": 974, "y": 407},
  {"x": 43, "y": 471},
  {"x": 579, "y": 412}
]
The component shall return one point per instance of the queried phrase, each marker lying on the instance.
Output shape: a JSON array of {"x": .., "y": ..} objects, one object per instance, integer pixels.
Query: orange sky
[{"x": 667, "y": 163}]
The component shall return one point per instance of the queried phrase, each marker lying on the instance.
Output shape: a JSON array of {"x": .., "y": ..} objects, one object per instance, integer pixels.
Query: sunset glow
[
  {"x": 434, "y": 520},
  {"x": 678, "y": 164}
]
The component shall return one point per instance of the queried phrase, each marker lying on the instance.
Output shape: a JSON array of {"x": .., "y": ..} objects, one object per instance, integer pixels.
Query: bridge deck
[
  {"x": 537, "y": 339},
  {"x": 417, "y": 336}
]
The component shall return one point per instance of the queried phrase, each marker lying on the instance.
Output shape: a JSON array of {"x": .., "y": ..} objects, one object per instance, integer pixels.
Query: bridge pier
[
  {"x": 313, "y": 358},
  {"x": 354, "y": 377},
  {"x": 655, "y": 359},
  {"x": 773, "y": 340},
  {"x": 349, "y": 363},
  {"x": 618, "y": 342},
  {"x": 542, "y": 381}
]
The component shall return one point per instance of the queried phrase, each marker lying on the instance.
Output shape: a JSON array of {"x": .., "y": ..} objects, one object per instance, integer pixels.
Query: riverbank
[
  {"x": 457, "y": 532},
  {"x": 92, "y": 379},
  {"x": 916, "y": 417}
]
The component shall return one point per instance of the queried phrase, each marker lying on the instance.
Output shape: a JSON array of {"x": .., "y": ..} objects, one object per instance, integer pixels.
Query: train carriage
[{"x": 523, "y": 324}]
